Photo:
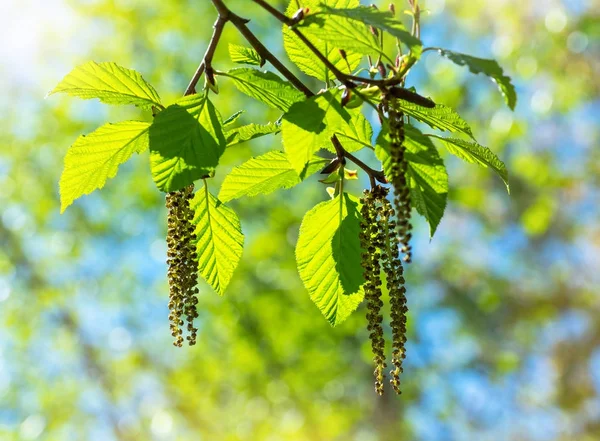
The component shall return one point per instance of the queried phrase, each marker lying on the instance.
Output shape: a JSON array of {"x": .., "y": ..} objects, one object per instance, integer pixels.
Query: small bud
[
  {"x": 381, "y": 69},
  {"x": 210, "y": 82},
  {"x": 346, "y": 96},
  {"x": 299, "y": 15},
  {"x": 331, "y": 167}
]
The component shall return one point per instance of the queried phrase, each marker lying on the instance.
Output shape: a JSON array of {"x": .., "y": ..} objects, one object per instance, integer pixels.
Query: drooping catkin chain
[
  {"x": 398, "y": 176},
  {"x": 371, "y": 241},
  {"x": 379, "y": 241},
  {"x": 181, "y": 258},
  {"x": 394, "y": 274}
]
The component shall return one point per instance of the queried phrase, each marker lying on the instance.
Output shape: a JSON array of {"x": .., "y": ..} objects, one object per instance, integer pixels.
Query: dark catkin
[
  {"x": 181, "y": 258},
  {"x": 371, "y": 240},
  {"x": 394, "y": 274},
  {"x": 398, "y": 176}
]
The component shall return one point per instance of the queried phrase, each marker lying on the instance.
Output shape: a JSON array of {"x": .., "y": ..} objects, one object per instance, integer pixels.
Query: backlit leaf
[
  {"x": 110, "y": 83},
  {"x": 439, "y": 117},
  {"x": 328, "y": 254},
  {"x": 244, "y": 55},
  {"x": 94, "y": 158},
  {"x": 488, "y": 67},
  {"x": 266, "y": 87},
  {"x": 186, "y": 142},
  {"x": 250, "y": 131},
  {"x": 304, "y": 58},
  {"x": 263, "y": 175},
  {"x": 475, "y": 154},
  {"x": 310, "y": 124},
  {"x": 220, "y": 241}
]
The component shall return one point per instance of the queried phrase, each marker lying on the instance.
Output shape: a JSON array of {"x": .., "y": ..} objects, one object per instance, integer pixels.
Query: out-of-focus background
[{"x": 504, "y": 301}]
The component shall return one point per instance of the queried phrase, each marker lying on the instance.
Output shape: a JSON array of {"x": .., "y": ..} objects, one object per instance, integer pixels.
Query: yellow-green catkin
[
  {"x": 394, "y": 274},
  {"x": 181, "y": 258},
  {"x": 372, "y": 239},
  {"x": 398, "y": 178}
]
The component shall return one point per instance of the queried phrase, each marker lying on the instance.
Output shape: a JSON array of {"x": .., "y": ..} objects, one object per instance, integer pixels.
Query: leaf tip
[{"x": 64, "y": 204}]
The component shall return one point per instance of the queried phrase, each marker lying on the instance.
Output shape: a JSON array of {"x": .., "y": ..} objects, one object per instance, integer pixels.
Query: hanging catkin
[
  {"x": 371, "y": 240},
  {"x": 181, "y": 258},
  {"x": 398, "y": 178}
]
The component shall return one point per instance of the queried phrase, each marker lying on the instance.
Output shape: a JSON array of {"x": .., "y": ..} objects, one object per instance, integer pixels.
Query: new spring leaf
[
  {"x": 220, "y": 241},
  {"x": 110, "y": 83},
  {"x": 94, "y": 158},
  {"x": 186, "y": 142},
  {"x": 328, "y": 255}
]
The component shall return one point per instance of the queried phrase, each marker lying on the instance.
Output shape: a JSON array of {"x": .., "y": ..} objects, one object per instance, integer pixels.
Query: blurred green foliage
[{"x": 503, "y": 339}]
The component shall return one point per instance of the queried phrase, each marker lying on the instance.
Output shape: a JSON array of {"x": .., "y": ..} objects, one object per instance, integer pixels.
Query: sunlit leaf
[
  {"x": 96, "y": 157},
  {"x": 250, "y": 131},
  {"x": 341, "y": 33},
  {"x": 304, "y": 58},
  {"x": 110, "y": 83},
  {"x": 439, "y": 117},
  {"x": 383, "y": 20},
  {"x": 244, "y": 55},
  {"x": 233, "y": 118},
  {"x": 328, "y": 255},
  {"x": 310, "y": 124},
  {"x": 475, "y": 154},
  {"x": 220, "y": 241},
  {"x": 356, "y": 135},
  {"x": 488, "y": 67},
  {"x": 263, "y": 175},
  {"x": 266, "y": 87},
  {"x": 186, "y": 142}
]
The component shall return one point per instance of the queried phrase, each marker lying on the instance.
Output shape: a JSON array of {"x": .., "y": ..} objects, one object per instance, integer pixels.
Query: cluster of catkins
[
  {"x": 379, "y": 241},
  {"x": 398, "y": 176},
  {"x": 181, "y": 258}
]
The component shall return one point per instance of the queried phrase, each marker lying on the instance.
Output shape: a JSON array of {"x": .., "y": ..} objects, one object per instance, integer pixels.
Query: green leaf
[
  {"x": 110, "y": 83},
  {"x": 356, "y": 135},
  {"x": 341, "y": 33},
  {"x": 220, "y": 241},
  {"x": 383, "y": 20},
  {"x": 244, "y": 55},
  {"x": 475, "y": 154},
  {"x": 186, "y": 142},
  {"x": 328, "y": 255},
  {"x": 488, "y": 67},
  {"x": 263, "y": 175},
  {"x": 250, "y": 131},
  {"x": 233, "y": 118},
  {"x": 427, "y": 174},
  {"x": 304, "y": 58},
  {"x": 266, "y": 87},
  {"x": 310, "y": 124},
  {"x": 439, "y": 117},
  {"x": 94, "y": 158}
]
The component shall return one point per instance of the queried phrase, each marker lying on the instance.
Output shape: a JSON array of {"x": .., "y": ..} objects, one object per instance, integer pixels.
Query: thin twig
[
  {"x": 206, "y": 64},
  {"x": 274, "y": 12}
]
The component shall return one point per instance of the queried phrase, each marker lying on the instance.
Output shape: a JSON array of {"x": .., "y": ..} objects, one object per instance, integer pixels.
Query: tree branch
[
  {"x": 206, "y": 64},
  {"x": 226, "y": 15}
]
